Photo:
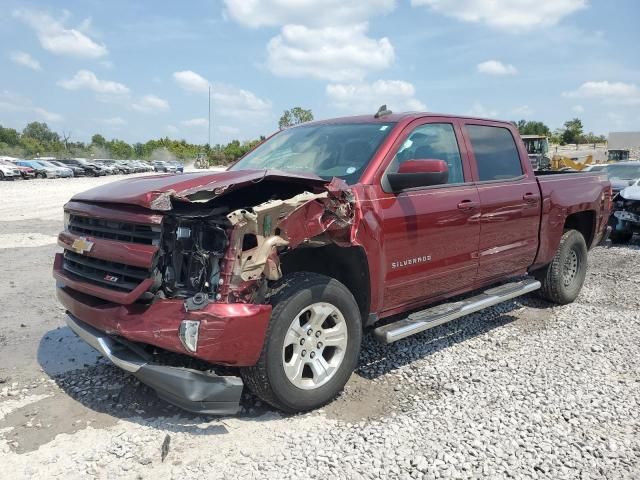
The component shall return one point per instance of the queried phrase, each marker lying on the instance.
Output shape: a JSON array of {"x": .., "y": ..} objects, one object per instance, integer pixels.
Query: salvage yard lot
[{"x": 524, "y": 389}]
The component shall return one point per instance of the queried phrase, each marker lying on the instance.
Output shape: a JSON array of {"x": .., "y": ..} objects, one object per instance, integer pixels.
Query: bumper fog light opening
[{"x": 188, "y": 334}]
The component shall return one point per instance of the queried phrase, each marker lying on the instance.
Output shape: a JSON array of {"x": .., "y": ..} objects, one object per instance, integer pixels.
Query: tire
[
  {"x": 621, "y": 236},
  {"x": 1, "y": 176},
  {"x": 562, "y": 279},
  {"x": 41, "y": 175},
  {"x": 295, "y": 295}
]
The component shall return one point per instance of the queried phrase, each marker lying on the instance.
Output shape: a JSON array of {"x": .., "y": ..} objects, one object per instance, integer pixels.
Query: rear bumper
[
  {"x": 229, "y": 333},
  {"x": 186, "y": 388}
]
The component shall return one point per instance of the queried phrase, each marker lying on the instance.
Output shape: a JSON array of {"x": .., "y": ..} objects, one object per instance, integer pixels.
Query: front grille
[
  {"x": 114, "y": 230},
  {"x": 104, "y": 273}
]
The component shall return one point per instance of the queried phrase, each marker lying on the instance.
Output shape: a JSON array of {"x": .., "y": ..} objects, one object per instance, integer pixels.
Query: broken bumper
[{"x": 189, "y": 389}]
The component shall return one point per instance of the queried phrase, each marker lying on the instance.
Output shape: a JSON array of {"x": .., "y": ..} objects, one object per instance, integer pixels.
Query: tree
[
  {"x": 10, "y": 136},
  {"x": 533, "y": 128},
  {"x": 40, "y": 131},
  {"x": 572, "y": 131},
  {"x": 295, "y": 116},
  {"x": 98, "y": 140}
]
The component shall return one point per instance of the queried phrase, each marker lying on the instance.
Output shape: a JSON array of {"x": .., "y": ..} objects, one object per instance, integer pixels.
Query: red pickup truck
[{"x": 275, "y": 266}]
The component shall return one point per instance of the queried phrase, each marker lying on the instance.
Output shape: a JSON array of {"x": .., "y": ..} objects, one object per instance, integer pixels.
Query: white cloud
[
  {"x": 495, "y": 67},
  {"x": 317, "y": 13},
  {"x": 608, "y": 92},
  {"x": 150, "y": 104},
  {"x": 398, "y": 95},
  {"x": 577, "y": 109},
  {"x": 47, "y": 115},
  {"x": 26, "y": 60},
  {"x": 479, "y": 110},
  {"x": 84, "y": 79},
  {"x": 512, "y": 15},
  {"x": 523, "y": 111},
  {"x": 172, "y": 129},
  {"x": 59, "y": 40},
  {"x": 11, "y": 102},
  {"x": 227, "y": 99},
  {"x": 114, "y": 121},
  {"x": 191, "y": 81},
  {"x": 340, "y": 54},
  {"x": 195, "y": 122}
]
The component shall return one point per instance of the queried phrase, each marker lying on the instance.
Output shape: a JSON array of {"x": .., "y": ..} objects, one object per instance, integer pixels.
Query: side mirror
[{"x": 419, "y": 173}]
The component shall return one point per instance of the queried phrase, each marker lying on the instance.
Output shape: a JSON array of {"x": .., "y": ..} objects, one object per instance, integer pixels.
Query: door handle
[
  {"x": 530, "y": 197},
  {"x": 467, "y": 205}
]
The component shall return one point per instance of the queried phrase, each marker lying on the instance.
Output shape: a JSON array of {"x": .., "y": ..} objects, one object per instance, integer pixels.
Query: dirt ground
[{"x": 64, "y": 411}]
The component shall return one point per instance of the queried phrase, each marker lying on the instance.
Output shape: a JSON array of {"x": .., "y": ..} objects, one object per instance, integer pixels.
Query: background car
[
  {"x": 41, "y": 170},
  {"x": 27, "y": 173},
  {"x": 77, "y": 171},
  {"x": 622, "y": 174},
  {"x": 90, "y": 168},
  {"x": 63, "y": 172},
  {"x": 9, "y": 171},
  {"x": 107, "y": 167},
  {"x": 160, "y": 166},
  {"x": 178, "y": 166}
]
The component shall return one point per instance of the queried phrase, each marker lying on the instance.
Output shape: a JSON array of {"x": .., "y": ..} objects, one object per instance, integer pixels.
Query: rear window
[{"x": 495, "y": 151}]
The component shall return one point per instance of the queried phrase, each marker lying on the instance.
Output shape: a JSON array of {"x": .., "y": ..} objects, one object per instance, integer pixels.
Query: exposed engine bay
[
  {"x": 226, "y": 249},
  {"x": 626, "y": 210}
]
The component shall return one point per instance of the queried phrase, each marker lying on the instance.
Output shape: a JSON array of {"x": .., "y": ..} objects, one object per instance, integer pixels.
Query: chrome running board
[{"x": 432, "y": 317}]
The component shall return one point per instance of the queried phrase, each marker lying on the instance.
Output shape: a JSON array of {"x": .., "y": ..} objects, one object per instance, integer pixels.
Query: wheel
[
  {"x": 1, "y": 176},
  {"x": 311, "y": 345},
  {"x": 41, "y": 175},
  {"x": 621, "y": 236},
  {"x": 562, "y": 279}
]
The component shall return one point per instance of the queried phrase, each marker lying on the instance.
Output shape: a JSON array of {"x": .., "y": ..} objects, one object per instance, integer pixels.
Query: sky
[{"x": 142, "y": 70}]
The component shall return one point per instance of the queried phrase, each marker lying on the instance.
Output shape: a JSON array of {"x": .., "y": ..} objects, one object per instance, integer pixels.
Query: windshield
[
  {"x": 624, "y": 172},
  {"x": 536, "y": 146},
  {"x": 47, "y": 164},
  {"x": 327, "y": 150}
]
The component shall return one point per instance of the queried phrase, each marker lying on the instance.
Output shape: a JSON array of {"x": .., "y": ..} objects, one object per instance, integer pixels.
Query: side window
[
  {"x": 495, "y": 151},
  {"x": 433, "y": 141}
]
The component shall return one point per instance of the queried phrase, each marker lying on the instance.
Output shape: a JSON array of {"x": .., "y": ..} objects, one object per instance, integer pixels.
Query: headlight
[{"x": 65, "y": 220}]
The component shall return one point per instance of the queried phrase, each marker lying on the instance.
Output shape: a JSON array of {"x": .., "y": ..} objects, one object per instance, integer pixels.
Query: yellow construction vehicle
[{"x": 560, "y": 162}]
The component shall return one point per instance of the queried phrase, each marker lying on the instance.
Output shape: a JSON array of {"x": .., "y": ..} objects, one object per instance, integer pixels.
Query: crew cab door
[
  {"x": 510, "y": 201},
  {"x": 431, "y": 234}
]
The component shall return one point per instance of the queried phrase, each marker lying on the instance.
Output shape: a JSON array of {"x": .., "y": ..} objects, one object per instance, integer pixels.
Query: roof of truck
[{"x": 395, "y": 118}]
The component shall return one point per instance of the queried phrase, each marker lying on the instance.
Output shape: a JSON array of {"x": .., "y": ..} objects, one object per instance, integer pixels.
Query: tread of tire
[{"x": 548, "y": 289}]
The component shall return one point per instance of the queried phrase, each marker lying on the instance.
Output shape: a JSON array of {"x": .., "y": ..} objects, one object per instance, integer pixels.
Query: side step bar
[{"x": 432, "y": 317}]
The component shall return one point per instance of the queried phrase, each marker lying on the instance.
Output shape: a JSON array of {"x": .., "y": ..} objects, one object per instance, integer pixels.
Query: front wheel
[
  {"x": 562, "y": 279},
  {"x": 311, "y": 346}
]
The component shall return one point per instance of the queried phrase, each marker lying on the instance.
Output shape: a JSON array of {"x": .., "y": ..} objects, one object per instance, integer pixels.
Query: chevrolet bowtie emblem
[{"x": 81, "y": 245}]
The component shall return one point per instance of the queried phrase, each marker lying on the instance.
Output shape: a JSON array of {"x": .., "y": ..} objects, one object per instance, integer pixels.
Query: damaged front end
[{"x": 626, "y": 212}]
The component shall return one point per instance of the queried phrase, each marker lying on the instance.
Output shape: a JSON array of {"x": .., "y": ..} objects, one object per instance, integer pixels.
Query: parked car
[
  {"x": 27, "y": 173},
  {"x": 165, "y": 167},
  {"x": 77, "y": 171},
  {"x": 178, "y": 166},
  {"x": 622, "y": 174},
  {"x": 63, "y": 171},
  {"x": 9, "y": 171},
  {"x": 625, "y": 219},
  {"x": 107, "y": 167},
  {"x": 42, "y": 171},
  {"x": 146, "y": 166},
  {"x": 596, "y": 167},
  {"x": 90, "y": 168},
  {"x": 275, "y": 266}
]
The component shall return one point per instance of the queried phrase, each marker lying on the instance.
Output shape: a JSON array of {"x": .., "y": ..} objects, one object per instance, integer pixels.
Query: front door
[{"x": 431, "y": 234}]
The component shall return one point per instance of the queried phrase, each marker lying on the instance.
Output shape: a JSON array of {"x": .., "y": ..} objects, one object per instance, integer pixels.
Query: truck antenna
[{"x": 382, "y": 111}]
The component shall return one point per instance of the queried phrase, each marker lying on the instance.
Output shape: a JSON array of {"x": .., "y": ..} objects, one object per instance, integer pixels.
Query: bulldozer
[
  {"x": 563, "y": 163},
  {"x": 537, "y": 148}
]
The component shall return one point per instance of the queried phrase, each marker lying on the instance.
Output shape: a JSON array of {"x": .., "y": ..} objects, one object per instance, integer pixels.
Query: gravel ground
[{"x": 522, "y": 390}]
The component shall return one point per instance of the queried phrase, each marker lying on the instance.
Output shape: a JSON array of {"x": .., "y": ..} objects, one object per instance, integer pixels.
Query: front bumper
[{"x": 186, "y": 388}]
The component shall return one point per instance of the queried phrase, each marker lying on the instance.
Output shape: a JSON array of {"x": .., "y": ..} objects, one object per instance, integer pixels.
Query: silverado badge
[{"x": 81, "y": 245}]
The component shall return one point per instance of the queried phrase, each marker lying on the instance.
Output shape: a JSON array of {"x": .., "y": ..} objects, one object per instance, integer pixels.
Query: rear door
[
  {"x": 431, "y": 234},
  {"x": 510, "y": 201}
]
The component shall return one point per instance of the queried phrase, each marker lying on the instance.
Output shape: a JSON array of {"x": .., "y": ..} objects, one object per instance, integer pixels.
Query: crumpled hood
[
  {"x": 619, "y": 183},
  {"x": 158, "y": 191},
  {"x": 631, "y": 193}
]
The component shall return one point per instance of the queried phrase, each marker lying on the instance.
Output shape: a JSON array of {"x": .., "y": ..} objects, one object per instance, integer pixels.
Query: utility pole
[{"x": 209, "y": 117}]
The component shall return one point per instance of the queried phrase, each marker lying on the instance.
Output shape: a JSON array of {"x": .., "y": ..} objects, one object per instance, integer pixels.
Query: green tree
[
  {"x": 40, "y": 131},
  {"x": 98, "y": 140},
  {"x": 295, "y": 116},
  {"x": 10, "y": 136},
  {"x": 120, "y": 149},
  {"x": 572, "y": 131},
  {"x": 533, "y": 128}
]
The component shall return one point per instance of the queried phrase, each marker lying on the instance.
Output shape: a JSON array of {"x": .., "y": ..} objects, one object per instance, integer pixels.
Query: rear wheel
[
  {"x": 312, "y": 343},
  {"x": 1, "y": 176},
  {"x": 562, "y": 279}
]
